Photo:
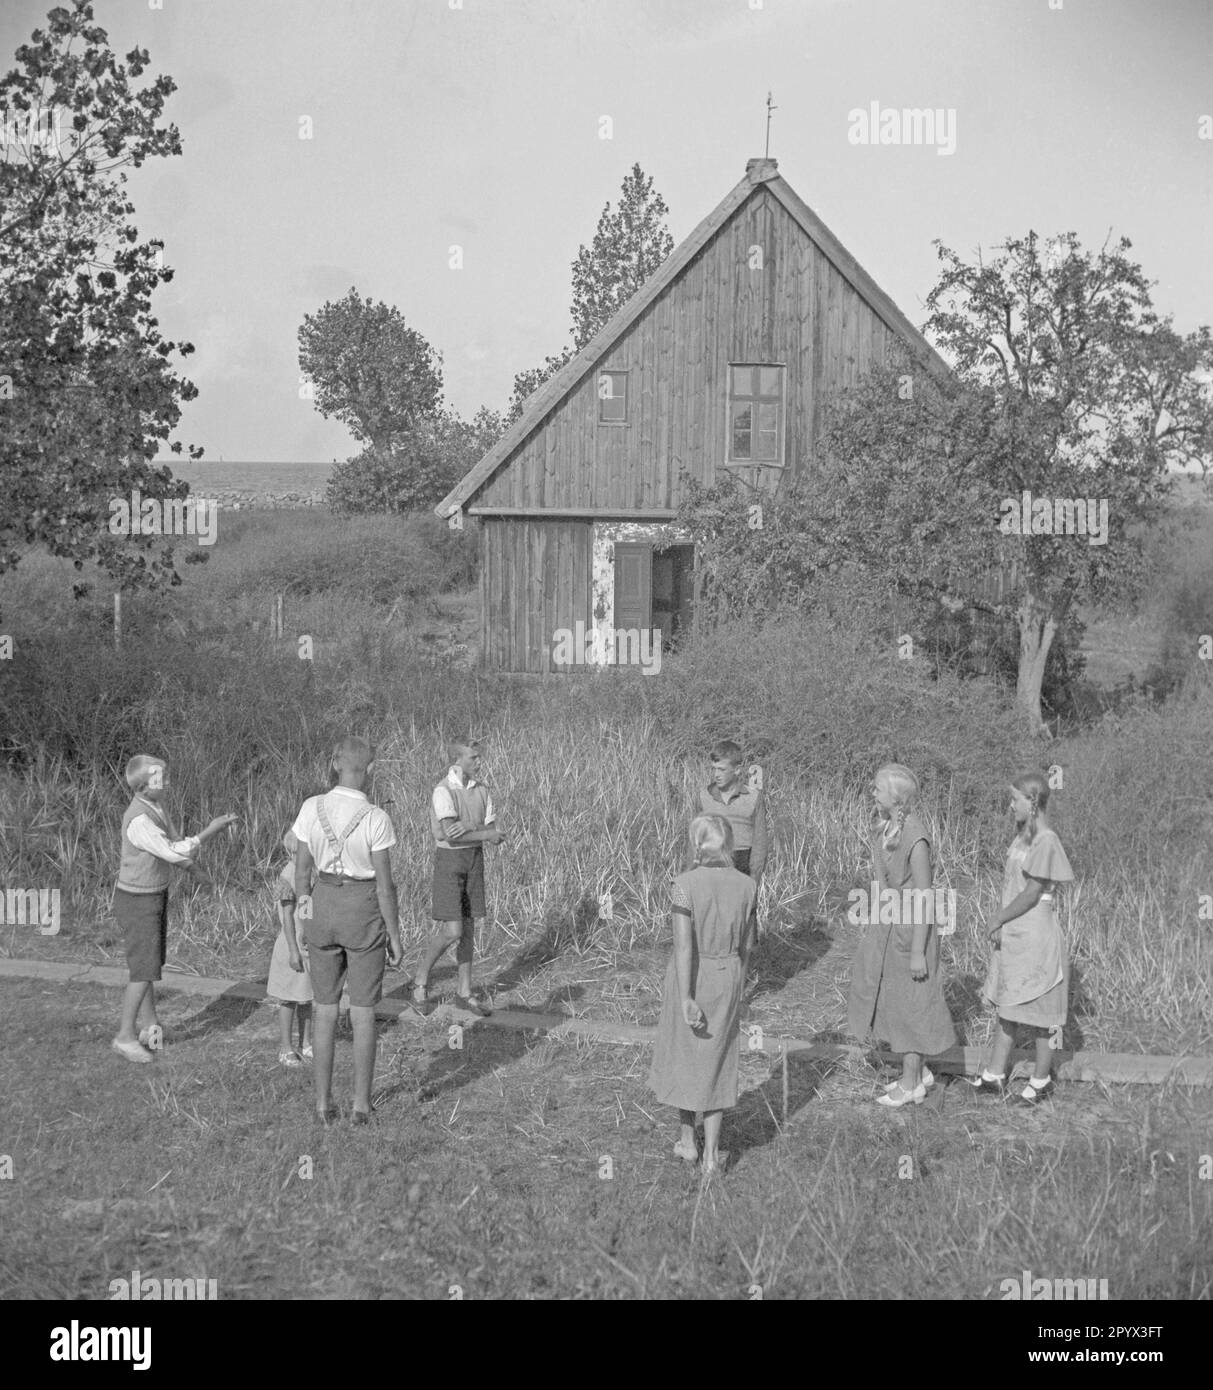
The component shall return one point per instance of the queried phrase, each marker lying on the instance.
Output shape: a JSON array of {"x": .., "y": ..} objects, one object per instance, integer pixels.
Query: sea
[{"x": 221, "y": 476}]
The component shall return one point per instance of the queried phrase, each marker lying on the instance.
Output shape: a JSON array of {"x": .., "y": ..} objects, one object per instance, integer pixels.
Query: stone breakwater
[{"x": 242, "y": 499}]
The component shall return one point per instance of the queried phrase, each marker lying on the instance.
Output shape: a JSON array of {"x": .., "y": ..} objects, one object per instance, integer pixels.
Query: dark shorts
[
  {"x": 346, "y": 937},
  {"x": 143, "y": 919},
  {"x": 741, "y": 860},
  {"x": 458, "y": 884}
]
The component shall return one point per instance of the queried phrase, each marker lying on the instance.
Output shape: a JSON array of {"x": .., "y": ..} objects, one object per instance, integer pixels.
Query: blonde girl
[
  {"x": 1029, "y": 977},
  {"x": 896, "y": 983},
  {"x": 695, "y": 1053}
]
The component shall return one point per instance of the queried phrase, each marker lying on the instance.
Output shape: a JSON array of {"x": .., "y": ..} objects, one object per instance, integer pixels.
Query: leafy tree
[
  {"x": 87, "y": 389},
  {"x": 424, "y": 464},
  {"x": 630, "y": 243},
  {"x": 1068, "y": 386},
  {"x": 369, "y": 370}
]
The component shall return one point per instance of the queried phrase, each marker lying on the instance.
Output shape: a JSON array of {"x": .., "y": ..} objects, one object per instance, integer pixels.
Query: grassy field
[
  {"x": 523, "y": 1167},
  {"x": 490, "y": 1179}
]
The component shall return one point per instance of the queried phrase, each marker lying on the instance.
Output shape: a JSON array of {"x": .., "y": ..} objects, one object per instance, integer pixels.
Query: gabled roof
[{"x": 759, "y": 173}]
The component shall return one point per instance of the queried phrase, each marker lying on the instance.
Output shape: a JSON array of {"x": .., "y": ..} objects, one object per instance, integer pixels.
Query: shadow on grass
[
  {"x": 558, "y": 931},
  {"x": 791, "y": 942},
  {"x": 757, "y": 1118},
  {"x": 223, "y": 1014}
]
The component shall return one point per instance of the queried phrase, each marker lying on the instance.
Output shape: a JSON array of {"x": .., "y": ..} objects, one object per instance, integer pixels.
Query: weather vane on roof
[{"x": 770, "y": 107}]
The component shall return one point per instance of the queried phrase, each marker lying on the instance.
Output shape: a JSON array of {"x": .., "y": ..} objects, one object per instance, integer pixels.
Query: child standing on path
[
  {"x": 462, "y": 823},
  {"x": 896, "y": 985},
  {"x": 351, "y": 925},
  {"x": 289, "y": 984},
  {"x": 151, "y": 844},
  {"x": 1029, "y": 975},
  {"x": 695, "y": 1053}
]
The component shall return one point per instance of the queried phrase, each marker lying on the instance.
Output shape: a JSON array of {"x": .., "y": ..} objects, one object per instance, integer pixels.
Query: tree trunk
[{"x": 1038, "y": 624}]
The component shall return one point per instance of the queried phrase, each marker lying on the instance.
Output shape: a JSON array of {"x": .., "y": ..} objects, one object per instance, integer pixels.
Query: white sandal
[
  {"x": 152, "y": 1037},
  {"x": 132, "y": 1051},
  {"x": 290, "y": 1059}
]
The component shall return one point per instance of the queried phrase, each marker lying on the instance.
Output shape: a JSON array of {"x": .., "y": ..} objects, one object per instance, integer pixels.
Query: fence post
[{"x": 118, "y": 618}]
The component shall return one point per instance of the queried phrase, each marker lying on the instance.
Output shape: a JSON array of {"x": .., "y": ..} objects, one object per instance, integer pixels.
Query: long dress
[
  {"x": 885, "y": 1000},
  {"x": 1029, "y": 977},
  {"x": 287, "y": 986},
  {"x": 696, "y": 1069}
]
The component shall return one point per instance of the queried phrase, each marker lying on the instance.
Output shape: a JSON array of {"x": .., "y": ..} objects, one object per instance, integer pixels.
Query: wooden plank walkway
[{"x": 1111, "y": 1067}]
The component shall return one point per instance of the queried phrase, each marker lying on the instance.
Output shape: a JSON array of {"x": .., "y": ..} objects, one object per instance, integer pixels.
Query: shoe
[
  {"x": 152, "y": 1037},
  {"x": 360, "y": 1117},
  {"x": 897, "y": 1097},
  {"x": 132, "y": 1051},
  {"x": 984, "y": 1086},
  {"x": 289, "y": 1059},
  {"x": 471, "y": 1006},
  {"x": 928, "y": 1080},
  {"x": 1036, "y": 1091},
  {"x": 328, "y": 1117},
  {"x": 307, "y": 1053},
  {"x": 691, "y": 1155},
  {"x": 425, "y": 1007}
]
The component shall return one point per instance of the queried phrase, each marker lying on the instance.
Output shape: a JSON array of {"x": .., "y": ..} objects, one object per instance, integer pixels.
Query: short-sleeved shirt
[
  {"x": 455, "y": 799},
  {"x": 1044, "y": 859},
  {"x": 340, "y": 805}
]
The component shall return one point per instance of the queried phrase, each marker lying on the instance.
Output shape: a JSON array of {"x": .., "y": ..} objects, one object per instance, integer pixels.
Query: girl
[
  {"x": 695, "y": 1054},
  {"x": 896, "y": 984},
  {"x": 1029, "y": 969},
  {"x": 289, "y": 984}
]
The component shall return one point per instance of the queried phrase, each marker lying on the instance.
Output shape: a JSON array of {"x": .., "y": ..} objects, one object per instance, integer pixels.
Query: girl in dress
[
  {"x": 1029, "y": 974},
  {"x": 289, "y": 984},
  {"x": 896, "y": 983},
  {"x": 695, "y": 1054}
]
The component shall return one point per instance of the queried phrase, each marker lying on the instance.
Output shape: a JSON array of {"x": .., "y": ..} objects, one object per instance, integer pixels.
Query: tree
[
  {"x": 1097, "y": 398},
  {"x": 369, "y": 370},
  {"x": 629, "y": 245},
  {"x": 87, "y": 389},
  {"x": 422, "y": 466}
]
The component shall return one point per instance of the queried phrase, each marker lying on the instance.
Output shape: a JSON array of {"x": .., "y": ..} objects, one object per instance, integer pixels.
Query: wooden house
[{"x": 723, "y": 360}]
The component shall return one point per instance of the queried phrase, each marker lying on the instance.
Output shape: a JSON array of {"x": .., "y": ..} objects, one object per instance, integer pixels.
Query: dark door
[{"x": 633, "y": 585}]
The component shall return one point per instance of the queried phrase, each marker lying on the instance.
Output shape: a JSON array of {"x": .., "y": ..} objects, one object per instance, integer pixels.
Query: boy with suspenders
[{"x": 352, "y": 923}]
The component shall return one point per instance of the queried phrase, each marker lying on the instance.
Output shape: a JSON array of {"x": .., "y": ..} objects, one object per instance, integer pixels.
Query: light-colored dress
[
  {"x": 696, "y": 1069},
  {"x": 1029, "y": 975},
  {"x": 287, "y": 986},
  {"x": 885, "y": 1001}
]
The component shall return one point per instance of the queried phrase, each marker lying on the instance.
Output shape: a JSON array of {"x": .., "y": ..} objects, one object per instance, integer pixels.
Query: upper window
[
  {"x": 612, "y": 398},
  {"x": 756, "y": 409}
]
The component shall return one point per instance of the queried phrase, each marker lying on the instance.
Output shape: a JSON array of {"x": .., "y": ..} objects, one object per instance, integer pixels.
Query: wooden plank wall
[
  {"x": 797, "y": 310},
  {"x": 534, "y": 578}
]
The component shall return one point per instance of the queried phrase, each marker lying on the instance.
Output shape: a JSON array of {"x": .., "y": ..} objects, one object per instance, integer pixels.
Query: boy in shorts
[
  {"x": 462, "y": 823},
  {"x": 151, "y": 844},
  {"x": 350, "y": 917}
]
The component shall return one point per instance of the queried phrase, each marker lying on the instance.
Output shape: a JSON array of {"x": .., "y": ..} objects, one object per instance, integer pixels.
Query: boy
[
  {"x": 462, "y": 822},
  {"x": 151, "y": 842},
  {"x": 742, "y": 805},
  {"x": 350, "y": 917}
]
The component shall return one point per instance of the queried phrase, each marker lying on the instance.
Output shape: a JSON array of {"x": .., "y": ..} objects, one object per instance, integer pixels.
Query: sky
[{"x": 479, "y": 124}]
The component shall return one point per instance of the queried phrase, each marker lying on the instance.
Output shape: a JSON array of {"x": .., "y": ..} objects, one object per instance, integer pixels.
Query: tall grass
[{"x": 595, "y": 776}]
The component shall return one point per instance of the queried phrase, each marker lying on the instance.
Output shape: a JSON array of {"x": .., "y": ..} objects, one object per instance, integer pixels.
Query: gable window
[
  {"x": 612, "y": 398},
  {"x": 756, "y": 411}
]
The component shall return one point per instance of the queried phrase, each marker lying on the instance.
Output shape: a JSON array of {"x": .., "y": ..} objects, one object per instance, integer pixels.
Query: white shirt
[
  {"x": 143, "y": 832},
  {"x": 374, "y": 832}
]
